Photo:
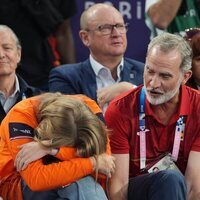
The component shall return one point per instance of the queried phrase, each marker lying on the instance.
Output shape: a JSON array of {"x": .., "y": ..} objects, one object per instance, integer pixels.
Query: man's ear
[
  {"x": 84, "y": 37},
  {"x": 19, "y": 52},
  {"x": 186, "y": 76}
]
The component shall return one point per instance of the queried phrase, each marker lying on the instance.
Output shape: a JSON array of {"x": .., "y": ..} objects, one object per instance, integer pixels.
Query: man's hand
[
  {"x": 28, "y": 153},
  {"x": 106, "y": 94}
]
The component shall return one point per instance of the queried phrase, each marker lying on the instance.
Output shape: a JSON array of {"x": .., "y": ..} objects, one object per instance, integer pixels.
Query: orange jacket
[{"x": 37, "y": 175}]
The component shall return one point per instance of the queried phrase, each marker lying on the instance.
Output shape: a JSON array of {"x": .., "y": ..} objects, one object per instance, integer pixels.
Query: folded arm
[
  {"x": 106, "y": 94},
  {"x": 32, "y": 151},
  {"x": 45, "y": 177}
]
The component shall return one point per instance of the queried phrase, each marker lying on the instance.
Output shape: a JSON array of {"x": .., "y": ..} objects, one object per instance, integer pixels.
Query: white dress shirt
[
  {"x": 7, "y": 103},
  {"x": 103, "y": 75}
]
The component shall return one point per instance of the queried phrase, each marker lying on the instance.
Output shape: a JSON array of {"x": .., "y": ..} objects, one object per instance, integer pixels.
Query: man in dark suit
[{"x": 106, "y": 73}]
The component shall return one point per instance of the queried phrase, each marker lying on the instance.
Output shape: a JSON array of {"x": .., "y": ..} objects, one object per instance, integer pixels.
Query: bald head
[
  {"x": 4, "y": 28},
  {"x": 104, "y": 48},
  {"x": 93, "y": 14}
]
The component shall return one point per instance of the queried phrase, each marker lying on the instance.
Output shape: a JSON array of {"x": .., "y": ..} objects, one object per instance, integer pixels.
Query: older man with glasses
[{"x": 106, "y": 73}]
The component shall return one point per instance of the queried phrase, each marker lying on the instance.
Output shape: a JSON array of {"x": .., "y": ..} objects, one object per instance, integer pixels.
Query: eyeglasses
[
  {"x": 107, "y": 29},
  {"x": 191, "y": 32}
]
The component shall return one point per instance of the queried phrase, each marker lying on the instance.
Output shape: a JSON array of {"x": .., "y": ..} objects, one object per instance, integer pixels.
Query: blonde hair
[{"x": 67, "y": 121}]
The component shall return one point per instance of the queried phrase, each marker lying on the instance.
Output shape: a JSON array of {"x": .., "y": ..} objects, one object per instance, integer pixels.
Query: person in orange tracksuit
[{"x": 60, "y": 122}]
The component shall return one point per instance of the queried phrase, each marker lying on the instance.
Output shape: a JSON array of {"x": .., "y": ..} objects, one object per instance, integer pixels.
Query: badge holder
[{"x": 166, "y": 163}]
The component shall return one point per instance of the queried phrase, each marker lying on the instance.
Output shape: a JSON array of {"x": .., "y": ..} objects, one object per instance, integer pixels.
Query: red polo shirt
[{"x": 122, "y": 118}]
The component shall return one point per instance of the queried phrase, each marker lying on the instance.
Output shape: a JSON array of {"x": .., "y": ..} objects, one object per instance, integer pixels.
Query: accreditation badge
[{"x": 164, "y": 163}]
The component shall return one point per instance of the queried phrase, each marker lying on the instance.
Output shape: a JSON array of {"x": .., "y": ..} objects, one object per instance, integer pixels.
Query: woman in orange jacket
[{"x": 64, "y": 127}]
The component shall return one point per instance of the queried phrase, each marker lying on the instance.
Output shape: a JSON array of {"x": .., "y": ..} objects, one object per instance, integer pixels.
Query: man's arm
[
  {"x": 65, "y": 42},
  {"x": 163, "y": 12},
  {"x": 107, "y": 94},
  {"x": 192, "y": 176},
  {"x": 118, "y": 184}
]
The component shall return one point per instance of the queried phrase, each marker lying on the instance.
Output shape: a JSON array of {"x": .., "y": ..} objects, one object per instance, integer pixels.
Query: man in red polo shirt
[{"x": 156, "y": 126}]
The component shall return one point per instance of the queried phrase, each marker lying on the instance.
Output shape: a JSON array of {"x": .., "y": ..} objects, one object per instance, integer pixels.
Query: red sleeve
[
  {"x": 196, "y": 144},
  {"x": 117, "y": 124}
]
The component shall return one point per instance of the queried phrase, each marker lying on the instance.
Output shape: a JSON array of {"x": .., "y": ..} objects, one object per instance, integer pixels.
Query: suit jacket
[
  {"x": 80, "y": 78},
  {"x": 25, "y": 92}
]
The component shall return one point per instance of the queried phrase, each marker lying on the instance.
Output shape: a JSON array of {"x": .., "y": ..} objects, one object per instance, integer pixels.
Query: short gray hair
[
  {"x": 168, "y": 42},
  {"x": 6, "y": 28}
]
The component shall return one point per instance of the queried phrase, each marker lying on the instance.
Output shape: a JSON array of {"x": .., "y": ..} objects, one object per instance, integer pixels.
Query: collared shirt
[
  {"x": 103, "y": 75},
  {"x": 122, "y": 118},
  {"x": 7, "y": 103}
]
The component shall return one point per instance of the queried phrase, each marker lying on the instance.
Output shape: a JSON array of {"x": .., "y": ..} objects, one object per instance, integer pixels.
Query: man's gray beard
[{"x": 165, "y": 97}]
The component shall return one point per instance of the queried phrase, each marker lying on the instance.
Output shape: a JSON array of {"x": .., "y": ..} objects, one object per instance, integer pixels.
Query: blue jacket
[{"x": 80, "y": 78}]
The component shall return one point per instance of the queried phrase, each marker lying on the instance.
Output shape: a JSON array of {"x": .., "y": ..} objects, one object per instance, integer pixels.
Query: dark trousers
[{"x": 162, "y": 185}]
